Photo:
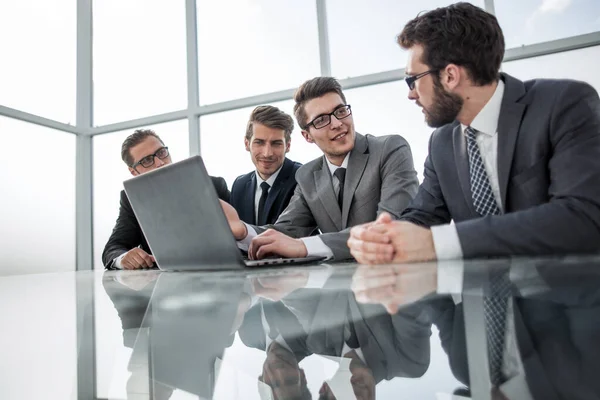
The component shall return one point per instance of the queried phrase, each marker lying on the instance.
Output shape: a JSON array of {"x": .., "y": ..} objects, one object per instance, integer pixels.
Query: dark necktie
[
  {"x": 496, "y": 303},
  {"x": 340, "y": 174},
  {"x": 481, "y": 190},
  {"x": 261, "y": 220}
]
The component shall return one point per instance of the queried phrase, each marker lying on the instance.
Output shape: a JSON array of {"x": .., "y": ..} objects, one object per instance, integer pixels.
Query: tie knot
[
  {"x": 340, "y": 174},
  {"x": 471, "y": 133},
  {"x": 265, "y": 186}
]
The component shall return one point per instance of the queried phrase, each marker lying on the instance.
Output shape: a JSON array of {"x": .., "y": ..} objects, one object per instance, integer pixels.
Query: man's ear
[
  {"x": 307, "y": 136},
  {"x": 247, "y": 144},
  {"x": 287, "y": 145},
  {"x": 452, "y": 76},
  {"x": 133, "y": 172}
]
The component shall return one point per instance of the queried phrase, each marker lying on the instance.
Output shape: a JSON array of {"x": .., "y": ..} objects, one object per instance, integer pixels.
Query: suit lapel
[
  {"x": 248, "y": 205},
  {"x": 461, "y": 159},
  {"x": 326, "y": 194},
  {"x": 356, "y": 167},
  {"x": 511, "y": 114},
  {"x": 286, "y": 169}
]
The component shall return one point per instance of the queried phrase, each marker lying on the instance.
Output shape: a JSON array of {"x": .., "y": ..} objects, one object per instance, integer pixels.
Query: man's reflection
[
  {"x": 368, "y": 344},
  {"x": 547, "y": 344}
]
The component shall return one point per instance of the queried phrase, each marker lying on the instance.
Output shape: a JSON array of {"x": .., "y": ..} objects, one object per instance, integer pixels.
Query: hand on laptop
[
  {"x": 137, "y": 258},
  {"x": 238, "y": 228},
  {"x": 386, "y": 240},
  {"x": 272, "y": 242}
]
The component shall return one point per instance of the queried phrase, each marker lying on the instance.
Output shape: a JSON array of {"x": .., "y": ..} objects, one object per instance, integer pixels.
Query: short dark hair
[
  {"x": 313, "y": 89},
  {"x": 271, "y": 117},
  {"x": 460, "y": 34},
  {"x": 137, "y": 137}
]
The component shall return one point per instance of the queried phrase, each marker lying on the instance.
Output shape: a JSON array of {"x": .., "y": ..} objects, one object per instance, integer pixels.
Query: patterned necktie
[
  {"x": 481, "y": 190},
  {"x": 340, "y": 174},
  {"x": 261, "y": 220},
  {"x": 496, "y": 302}
]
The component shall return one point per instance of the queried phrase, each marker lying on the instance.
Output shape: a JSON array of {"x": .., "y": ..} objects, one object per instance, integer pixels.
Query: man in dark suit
[
  {"x": 515, "y": 165},
  {"x": 127, "y": 248},
  {"x": 358, "y": 177},
  {"x": 260, "y": 196}
]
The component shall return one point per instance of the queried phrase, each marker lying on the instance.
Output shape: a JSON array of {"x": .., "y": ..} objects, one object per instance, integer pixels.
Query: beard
[{"x": 445, "y": 108}]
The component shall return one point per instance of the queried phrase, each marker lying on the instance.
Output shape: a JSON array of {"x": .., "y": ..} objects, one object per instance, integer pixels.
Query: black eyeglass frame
[
  {"x": 340, "y": 107},
  {"x": 155, "y": 155},
  {"x": 410, "y": 80}
]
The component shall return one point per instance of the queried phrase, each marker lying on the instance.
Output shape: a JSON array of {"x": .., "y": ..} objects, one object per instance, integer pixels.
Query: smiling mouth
[{"x": 340, "y": 136}]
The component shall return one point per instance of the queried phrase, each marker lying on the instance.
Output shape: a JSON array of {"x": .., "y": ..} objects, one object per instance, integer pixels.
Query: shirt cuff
[
  {"x": 117, "y": 263},
  {"x": 244, "y": 244},
  {"x": 450, "y": 279},
  {"x": 316, "y": 247},
  {"x": 446, "y": 242}
]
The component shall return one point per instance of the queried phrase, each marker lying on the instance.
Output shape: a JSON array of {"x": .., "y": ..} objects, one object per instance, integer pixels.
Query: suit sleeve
[
  {"x": 429, "y": 207},
  {"x": 399, "y": 185},
  {"x": 221, "y": 188},
  {"x": 570, "y": 221},
  {"x": 296, "y": 220},
  {"x": 125, "y": 235}
]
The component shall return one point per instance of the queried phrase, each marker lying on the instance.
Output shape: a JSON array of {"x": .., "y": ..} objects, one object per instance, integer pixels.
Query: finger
[
  {"x": 147, "y": 258},
  {"x": 137, "y": 260},
  {"x": 366, "y": 252},
  {"x": 375, "y": 233},
  {"x": 366, "y": 283},
  {"x": 384, "y": 218},
  {"x": 266, "y": 250}
]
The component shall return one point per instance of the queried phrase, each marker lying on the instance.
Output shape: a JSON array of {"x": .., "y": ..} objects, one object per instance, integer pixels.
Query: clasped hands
[{"x": 387, "y": 241}]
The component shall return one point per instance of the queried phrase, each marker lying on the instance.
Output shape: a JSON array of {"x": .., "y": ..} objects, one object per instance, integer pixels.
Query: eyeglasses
[
  {"x": 323, "y": 120},
  {"x": 410, "y": 80},
  {"x": 148, "y": 161}
]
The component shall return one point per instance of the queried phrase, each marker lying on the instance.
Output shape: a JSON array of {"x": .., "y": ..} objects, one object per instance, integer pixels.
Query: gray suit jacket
[
  {"x": 548, "y": 170},
  {"x": 380, "y": 177}
]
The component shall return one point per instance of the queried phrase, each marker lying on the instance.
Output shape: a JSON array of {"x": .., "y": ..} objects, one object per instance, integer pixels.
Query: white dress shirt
[
  {"x": 314, "y": 245},
  {"x": 258, "y": 191},
  {"x": 445, "y": 237}
]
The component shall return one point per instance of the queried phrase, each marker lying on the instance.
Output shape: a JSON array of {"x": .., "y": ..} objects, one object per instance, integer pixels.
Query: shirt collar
[
  {"x": 487, "y": 119},
  {"x": 271, "y": 179},
  {"x": 333, "y": 167}
]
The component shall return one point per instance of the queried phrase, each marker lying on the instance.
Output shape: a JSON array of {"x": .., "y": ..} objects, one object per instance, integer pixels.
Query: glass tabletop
[{"x": 333, "y": 331}]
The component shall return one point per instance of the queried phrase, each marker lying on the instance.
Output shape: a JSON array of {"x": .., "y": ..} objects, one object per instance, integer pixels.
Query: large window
[
  {"x": 576, "y": 64},
  {"x": 248, "y": 47},
  {"x": 37, "y": 41},
  {"x": 110, "y": 172},
  {"x": 362, "y": 34},
  {"x": 533, "y": 21},
  {"x": 37, "y": 206},
  {"x": 139, "y": 59}
]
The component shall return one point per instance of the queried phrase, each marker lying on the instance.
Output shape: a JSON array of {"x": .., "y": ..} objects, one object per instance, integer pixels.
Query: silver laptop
[{"x": 181, "y": 217}]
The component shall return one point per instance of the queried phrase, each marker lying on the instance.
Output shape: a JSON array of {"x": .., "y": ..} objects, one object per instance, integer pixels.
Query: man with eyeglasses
[
  {"x": 127, "y": 248},
  {"x": 357, "y": 177},
  {"x": 515, "y": 165}
]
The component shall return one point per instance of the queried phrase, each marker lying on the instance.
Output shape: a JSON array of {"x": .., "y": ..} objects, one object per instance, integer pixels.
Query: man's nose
[
  {"x": 158, "y": 162},
  {"x": 335, "y": 122}
]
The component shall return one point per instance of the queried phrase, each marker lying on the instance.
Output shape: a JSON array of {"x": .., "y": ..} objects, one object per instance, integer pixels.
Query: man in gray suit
[
  {"x": 358, "y": 177},
  {"x": 515, "y": 165}
]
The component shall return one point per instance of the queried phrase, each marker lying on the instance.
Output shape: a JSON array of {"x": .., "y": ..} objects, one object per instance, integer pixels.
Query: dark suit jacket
[
  {"x": 380, "y": 177},
  {"x": 127, "y": 232},
  {"x": 393, "y": 345},
  {"x": 548, "y": 170},
  {"x": 252, "y": 332},
  {"x": 244, "y": 189}
]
